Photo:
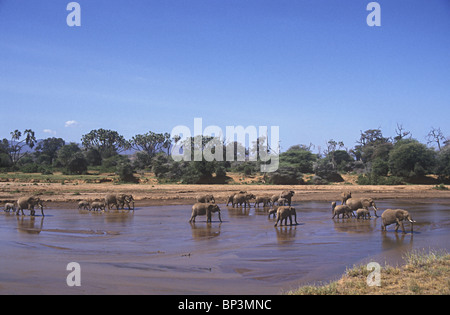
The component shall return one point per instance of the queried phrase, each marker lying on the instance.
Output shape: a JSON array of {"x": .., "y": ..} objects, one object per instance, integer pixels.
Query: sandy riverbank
[{"x": 148, "y": 194}]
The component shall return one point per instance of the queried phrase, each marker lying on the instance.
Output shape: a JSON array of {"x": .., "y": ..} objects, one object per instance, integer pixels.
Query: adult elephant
[
  {"x": 230, "y": 197},
  {"x": 264, "y": 200},
  {"x": 396, "y": 216},
  {"x": 125, "y": 199},
  {"x": 346, "y": 195},
  {"x": 119, "y": 201},
  {"x": 240, "y": 199},
  {"x": 29, "y": 203},
  {"x": 358, "y": 203},
  {"x": 204, "y": 209},
  {"x": 285, "y": 212},
  {"x": 337, "y": 210},
  {"x": 287, "y": 195},
  {"x": 206, "y": 199}
]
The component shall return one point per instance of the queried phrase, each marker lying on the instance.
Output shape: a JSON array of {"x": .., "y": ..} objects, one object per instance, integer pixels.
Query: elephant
[
  {"x": 274, "y": 198},
  {"x": 345, "y": 196},
  {"x": 240, "y": 199},
  {"x": 285, "y": 212},
  {"x": 125, "y": 199},
  {"x": 363, "y": 212},
  {"x": 204, "y": 209},
  {"x": 397, "y": 216},
  {"x": 340, "y": 209},
  {"x": 282, "y": 201},
  {"x": 358, "y": 203},
  {"x": 288, "y": 195},
  {"x": 264, "y": 200},
  {"x": 206, "y": 199},
  {"x": 119, "y": 201},
  {"x": 84, "y": 205},
  {"x": 98, "y": 206},
  {"x": 230, "y": 197},
  {"x": 9, "y": 207},
  {"x": 29, "y": 203},
  {"x": 273, "y": 212}
]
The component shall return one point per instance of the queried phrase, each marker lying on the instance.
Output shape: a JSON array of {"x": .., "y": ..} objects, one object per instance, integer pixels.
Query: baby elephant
[
  {"x": 285, "y": 212},
  {"x": 363, "y": 212},
  {"x": 204, "y": 209},
  {"x": 340, "y": 209},
  {"x": 9, "y": 207},
  {"x": 98, "y": 206},
  {"x": 396, "y": 216},
  {"x": 84, "y": 205}
]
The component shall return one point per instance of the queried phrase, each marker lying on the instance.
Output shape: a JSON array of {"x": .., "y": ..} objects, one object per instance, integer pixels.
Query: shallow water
[{"x": 154, "y": 250}]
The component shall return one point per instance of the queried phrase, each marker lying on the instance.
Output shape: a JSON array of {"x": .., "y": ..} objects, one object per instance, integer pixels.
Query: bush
[
  {"x": 372, "y": 179},
  {"x": 77, "y": 165},
  {"x": 409, "y": 158},
  {"x": 286, "y": 175},
  {"x": 125, "y": 172},
  {"x": 326, "y": 171}
]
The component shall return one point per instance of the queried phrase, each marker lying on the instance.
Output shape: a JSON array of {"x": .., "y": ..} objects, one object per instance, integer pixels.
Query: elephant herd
[
  {"x": 282, "y": 210},
  {"x": 280, "y": 205},
  {"x": 112, "y": 200},
  {"x": 29, "y": 203}
]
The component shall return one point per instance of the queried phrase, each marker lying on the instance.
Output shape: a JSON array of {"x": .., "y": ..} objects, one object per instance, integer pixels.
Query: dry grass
[{"x": 424, "y": 273}]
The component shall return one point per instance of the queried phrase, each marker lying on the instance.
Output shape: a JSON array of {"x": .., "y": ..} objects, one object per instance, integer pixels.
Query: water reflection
[
  {"x": 286, "y": 234},
  {"x": 391, "y": 240},
  {"x": 202, "y": 231},
  {"x": 30, "y": 225},
  {"x": 355, "y": 226},
  {"x": 238, "y": 211}
]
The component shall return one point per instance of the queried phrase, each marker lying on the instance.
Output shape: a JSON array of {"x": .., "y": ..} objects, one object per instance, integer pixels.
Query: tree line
[{"x": 377, "y": 159}]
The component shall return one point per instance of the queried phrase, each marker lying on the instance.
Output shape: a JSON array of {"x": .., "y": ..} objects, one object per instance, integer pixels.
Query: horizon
[{"x": 313, "y": 68}]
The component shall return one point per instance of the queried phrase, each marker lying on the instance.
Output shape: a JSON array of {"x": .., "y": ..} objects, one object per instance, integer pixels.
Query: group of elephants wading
[
  {"x": 282, "y": 210},
  {"x": 280, "y": 207},
  {"x": 111, "y": 201}
]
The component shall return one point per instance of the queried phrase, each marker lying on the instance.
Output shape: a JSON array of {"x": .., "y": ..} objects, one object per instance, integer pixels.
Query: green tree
[
  {"x": 410, "y": 158},
  {"x": 372, "y": 145},
  {"x": 299, "y": 157},
  {"x": 152, "y": 143},
  {"x": 443, "y": 164},
  {"x": 47, "y": 149},
  {"x": 14, "y": 148},
  {"x": 107, "y": 142}
]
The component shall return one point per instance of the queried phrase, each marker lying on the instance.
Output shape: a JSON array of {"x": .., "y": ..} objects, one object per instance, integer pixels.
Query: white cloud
[
  {"x": 49, "y": 131},
  {"x": 71, "y": 123}
]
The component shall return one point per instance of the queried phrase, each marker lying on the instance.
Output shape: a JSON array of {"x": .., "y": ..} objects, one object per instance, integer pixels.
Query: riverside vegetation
[{"x": 375, "y": 160}]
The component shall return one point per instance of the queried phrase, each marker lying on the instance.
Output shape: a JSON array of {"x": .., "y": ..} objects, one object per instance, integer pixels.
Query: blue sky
[{"x": 312, "y": 67}]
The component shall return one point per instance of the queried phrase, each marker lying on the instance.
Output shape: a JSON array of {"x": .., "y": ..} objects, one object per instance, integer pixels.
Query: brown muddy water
[{"x": 154, "y": 250}]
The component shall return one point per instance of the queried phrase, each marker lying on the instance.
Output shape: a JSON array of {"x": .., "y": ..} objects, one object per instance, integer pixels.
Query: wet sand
[{"x": 154, "y": 250}]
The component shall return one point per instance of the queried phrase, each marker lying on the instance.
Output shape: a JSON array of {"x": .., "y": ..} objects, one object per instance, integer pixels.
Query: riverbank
[
  {"x": 423, "y": 273},
  {"x": 173, "y": 194}
]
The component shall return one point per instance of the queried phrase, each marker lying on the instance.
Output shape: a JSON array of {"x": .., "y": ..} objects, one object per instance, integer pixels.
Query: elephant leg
[
  {"x": 375, "y": 212},
  {"x": 220, "y": 218},
  {"x": 278, "y": 220},
  {"x": 403, "y": 227},
  {"x": 192, "y": 218}
]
